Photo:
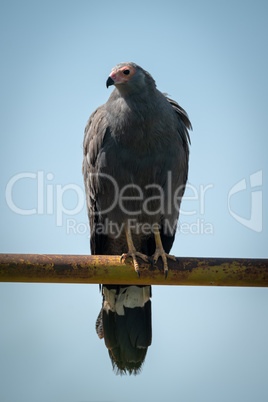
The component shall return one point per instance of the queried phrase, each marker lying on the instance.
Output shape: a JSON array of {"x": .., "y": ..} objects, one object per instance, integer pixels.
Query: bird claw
[
  {"x": 135, "y": 262},
  {"x": 164, "y": 256}
]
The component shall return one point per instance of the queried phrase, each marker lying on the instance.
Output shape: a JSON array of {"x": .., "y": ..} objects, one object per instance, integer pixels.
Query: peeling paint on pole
[{"x": 51, "y": 268}]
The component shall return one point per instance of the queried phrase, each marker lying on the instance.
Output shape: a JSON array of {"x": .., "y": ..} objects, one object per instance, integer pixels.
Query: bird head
[
  {"x": 121, "y": 74},
  {"x": 128, "y": 76}
]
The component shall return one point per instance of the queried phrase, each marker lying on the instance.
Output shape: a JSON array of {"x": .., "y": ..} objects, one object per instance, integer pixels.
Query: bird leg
[
  {"x": 159, "y": 250},
  {"x": 132, "y": 252}
]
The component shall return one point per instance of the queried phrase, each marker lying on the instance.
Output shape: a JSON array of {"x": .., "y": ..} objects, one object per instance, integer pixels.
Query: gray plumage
[
  {"x": 137, "y": 137},
  {"x": 136, "y": 145}
]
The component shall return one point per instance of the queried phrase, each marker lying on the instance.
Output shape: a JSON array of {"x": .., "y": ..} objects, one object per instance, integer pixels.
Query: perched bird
[{"x": 135, "y": 166}]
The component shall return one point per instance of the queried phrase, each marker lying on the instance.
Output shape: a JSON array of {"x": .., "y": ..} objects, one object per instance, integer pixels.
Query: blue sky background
[{"x": 209, "y": 344}]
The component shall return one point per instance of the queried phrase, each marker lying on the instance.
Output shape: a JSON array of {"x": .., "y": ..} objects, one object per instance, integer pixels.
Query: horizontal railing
[{"x": 52, "y": 268}]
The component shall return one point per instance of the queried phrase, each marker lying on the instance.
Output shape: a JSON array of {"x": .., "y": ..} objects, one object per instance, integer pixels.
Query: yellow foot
[
  {"x": 159, "y": 252},
  {"x": 135, "y": 254}
]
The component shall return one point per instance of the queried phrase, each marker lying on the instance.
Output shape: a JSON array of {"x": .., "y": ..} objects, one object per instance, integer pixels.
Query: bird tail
[{"x": 125, "y": 324}]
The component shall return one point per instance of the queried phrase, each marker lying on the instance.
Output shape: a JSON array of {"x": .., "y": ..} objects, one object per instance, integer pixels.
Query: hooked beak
[{"x": 109, "y": 82}]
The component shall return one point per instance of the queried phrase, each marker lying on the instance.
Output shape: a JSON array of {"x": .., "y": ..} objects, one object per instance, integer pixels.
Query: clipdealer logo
[
  {"x": 51, "y": 200},
  {"x": 254, "y": 222}
]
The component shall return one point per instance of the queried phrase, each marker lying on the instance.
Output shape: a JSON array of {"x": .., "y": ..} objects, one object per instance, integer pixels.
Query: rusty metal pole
[{"x": 49, "y": 268}]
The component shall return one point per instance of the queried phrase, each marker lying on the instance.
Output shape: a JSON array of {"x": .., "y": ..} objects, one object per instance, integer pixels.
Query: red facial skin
[{"x": 119, "y": 77}]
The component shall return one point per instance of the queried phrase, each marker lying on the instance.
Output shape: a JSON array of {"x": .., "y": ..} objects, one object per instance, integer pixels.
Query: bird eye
[{"x": 126, "y": 72}]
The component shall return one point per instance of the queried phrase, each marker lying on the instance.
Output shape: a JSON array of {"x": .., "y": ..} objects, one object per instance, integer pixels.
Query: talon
[
  {"x": 160, "y": 252},
  {"x": 124, "y": 257},
  {"x": 133, "y": 253}
]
